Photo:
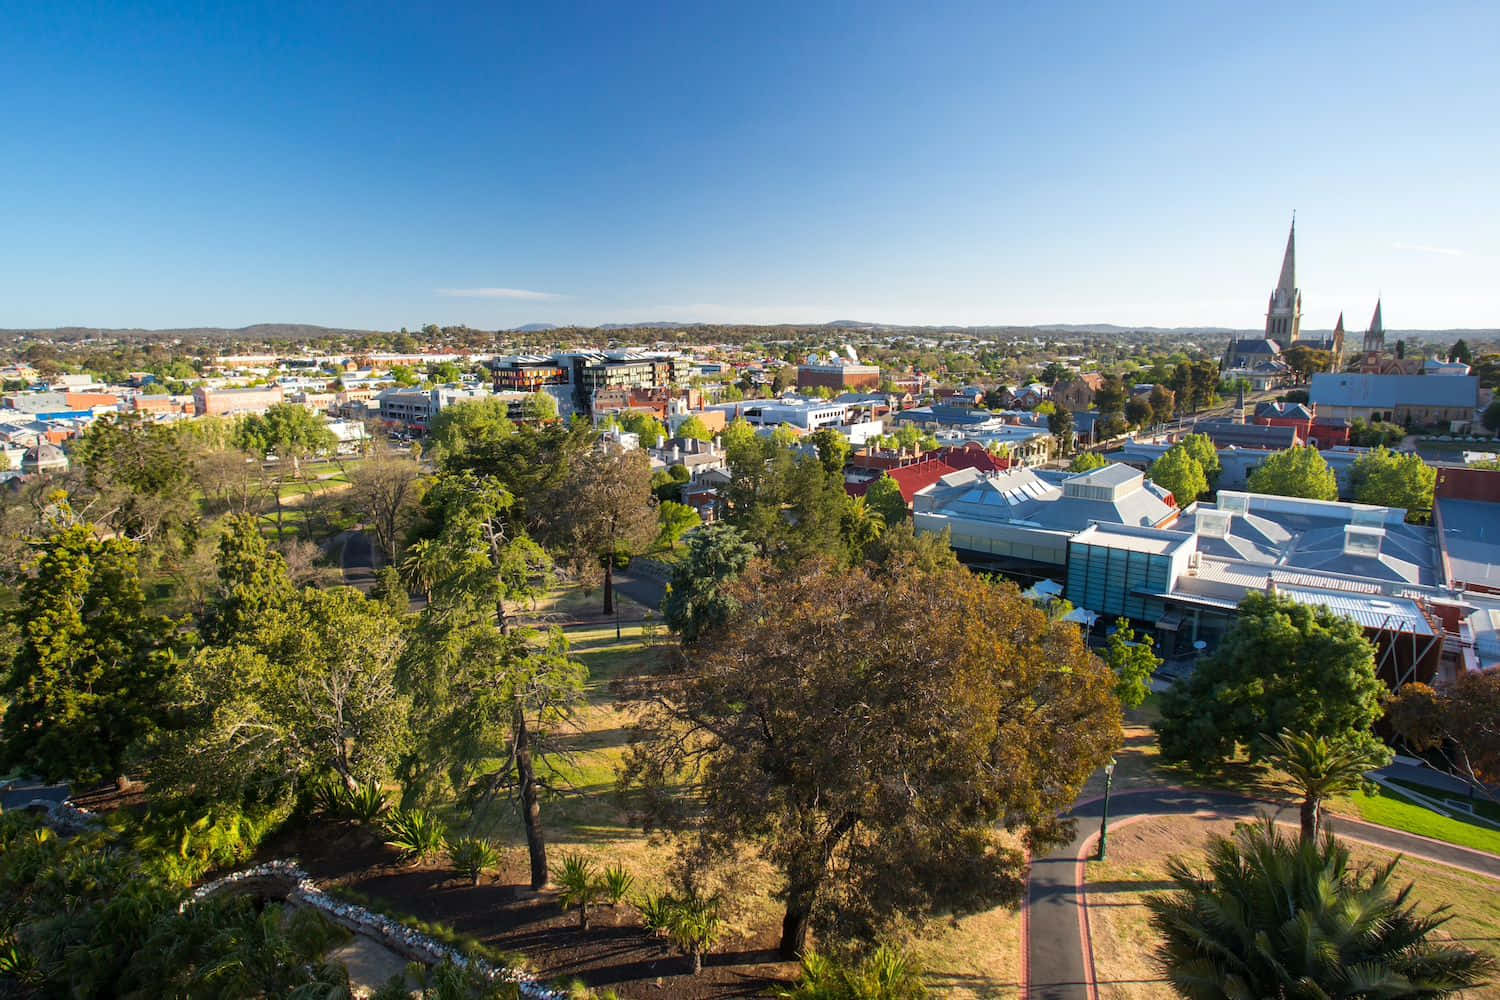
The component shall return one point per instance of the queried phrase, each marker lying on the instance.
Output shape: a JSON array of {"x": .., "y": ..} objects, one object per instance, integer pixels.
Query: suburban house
[{"x": 1076, "y": 394}]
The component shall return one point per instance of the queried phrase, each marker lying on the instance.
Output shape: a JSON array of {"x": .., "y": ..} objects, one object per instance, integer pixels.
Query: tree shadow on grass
[{"x": 1095, "y": 888}]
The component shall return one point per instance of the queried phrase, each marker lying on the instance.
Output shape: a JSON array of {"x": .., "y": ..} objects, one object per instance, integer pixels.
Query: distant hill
[
  {"x": 309, "y": 332},
  {"x": 257, "y": 331},
  {"x": 651, "y": 326}
]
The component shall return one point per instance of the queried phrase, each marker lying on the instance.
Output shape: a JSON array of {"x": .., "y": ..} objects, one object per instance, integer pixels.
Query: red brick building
[{"x": 841, "y": 376}]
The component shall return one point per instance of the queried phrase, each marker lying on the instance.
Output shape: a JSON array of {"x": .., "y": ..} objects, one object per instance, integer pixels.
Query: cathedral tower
[{"x": 1284, "y": 314}]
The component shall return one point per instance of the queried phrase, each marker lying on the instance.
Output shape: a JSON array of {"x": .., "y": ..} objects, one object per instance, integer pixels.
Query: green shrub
[
  {"x": 471, "y": 856},
  {"x": 416, "y": 833},
  {"x": 365, "y": 804},
  {"x": 616, "y": 882},
  {"x": 694, "y": 925},
  {"x": 578, "y": 885},
  {"x": 656, "y": 913},
  {"x": 887, "y": 973}
]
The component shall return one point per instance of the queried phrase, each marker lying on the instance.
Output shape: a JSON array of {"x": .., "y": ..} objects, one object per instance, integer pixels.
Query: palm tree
[
  {"x": 1274, "y": 916},
  {"x": 423, "y": 566},
  {"x": 1322, "y": 768},
  {"x": 862, "y": 523}
]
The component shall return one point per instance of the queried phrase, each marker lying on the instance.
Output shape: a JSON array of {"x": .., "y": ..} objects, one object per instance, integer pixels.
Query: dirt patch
[
  {"x": 615, "y": 952},
  {"x": 330, "y": 851}
]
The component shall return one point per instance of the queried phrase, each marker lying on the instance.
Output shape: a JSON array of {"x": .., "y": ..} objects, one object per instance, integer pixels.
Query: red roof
[
  {"x": 911, "y": 478},
  {"x": 973, "y": 456}
]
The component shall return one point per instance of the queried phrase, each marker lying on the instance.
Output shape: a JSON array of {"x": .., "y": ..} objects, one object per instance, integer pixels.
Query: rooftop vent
[
  {"x": 1213, "y": 524},
  {"x": 1234, "y": 503},
  {"x": 1362, "y": 541}
]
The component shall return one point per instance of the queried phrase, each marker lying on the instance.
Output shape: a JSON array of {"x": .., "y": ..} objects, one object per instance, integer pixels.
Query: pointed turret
[
  {"x": 1376, "y": 324},
  {"x": 1338, "y": 342}
]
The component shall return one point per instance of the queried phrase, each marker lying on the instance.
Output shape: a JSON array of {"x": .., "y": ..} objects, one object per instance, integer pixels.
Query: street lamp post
[
  {"x": 616, "y": 603},
  {"x": 1109, "y": 778}
]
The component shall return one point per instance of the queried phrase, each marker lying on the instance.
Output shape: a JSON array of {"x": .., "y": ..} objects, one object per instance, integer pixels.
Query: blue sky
[{"x": 391, "y": 165}]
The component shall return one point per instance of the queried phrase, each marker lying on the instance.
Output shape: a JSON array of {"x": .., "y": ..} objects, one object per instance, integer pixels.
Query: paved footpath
[{"x": 1059, "y": 958}]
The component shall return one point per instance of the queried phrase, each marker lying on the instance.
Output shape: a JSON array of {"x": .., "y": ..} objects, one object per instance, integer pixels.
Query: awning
[
  {"x": 1170, "y": 622},
  {"x": 1083, "y": 616},
  {"x": 1043, "y": 590}
]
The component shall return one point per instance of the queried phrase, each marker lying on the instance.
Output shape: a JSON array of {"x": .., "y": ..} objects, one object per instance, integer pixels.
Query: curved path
[{"x": 1059, "y": 957}]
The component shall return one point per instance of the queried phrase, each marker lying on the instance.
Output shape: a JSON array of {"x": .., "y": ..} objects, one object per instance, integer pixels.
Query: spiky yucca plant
[
  {"x": 416, "y": 833},
  {"x": 887, "y": 973},
  {"x": 472, "y": 856},
  {"x": 616, "y": 883},
  {"x": 578, "y": 885}
]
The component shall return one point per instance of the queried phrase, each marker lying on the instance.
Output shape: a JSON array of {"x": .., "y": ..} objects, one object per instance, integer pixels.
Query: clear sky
[{"x": 495, "y": 164}]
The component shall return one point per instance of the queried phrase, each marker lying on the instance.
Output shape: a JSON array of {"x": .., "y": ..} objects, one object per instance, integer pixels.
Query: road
[
  {"x": 24, "y": 791},
  {"x": 641, "y": 588},
  {"x": 359, "y": 560},
  {"x": 1059, "y": 958}
]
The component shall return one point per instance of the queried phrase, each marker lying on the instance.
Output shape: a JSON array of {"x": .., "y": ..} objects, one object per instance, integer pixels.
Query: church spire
[
  {"x": 1375, "y": 335},
  {"x": 1284, "y": 311},
  {"x": 1288, "y": 282}
]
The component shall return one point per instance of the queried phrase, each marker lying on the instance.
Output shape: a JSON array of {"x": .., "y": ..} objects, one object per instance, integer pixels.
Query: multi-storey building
[
  {"x": 575, "y": 378},
  {"x": 839, "y": 374},
  {"x": 220, "y": 402}
]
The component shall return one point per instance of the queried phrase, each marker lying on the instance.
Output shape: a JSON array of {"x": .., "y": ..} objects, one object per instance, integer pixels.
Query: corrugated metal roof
[{"x": 1390, "y": 391}]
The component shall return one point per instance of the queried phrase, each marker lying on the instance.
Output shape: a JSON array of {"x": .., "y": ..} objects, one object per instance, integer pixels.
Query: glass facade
[{"x": 1103, "y": 579}]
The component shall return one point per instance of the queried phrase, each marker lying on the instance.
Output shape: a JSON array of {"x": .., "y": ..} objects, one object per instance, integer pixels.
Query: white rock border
[
  {"x": 392, "y": 933},
  {"x": 63, "y": 816}
]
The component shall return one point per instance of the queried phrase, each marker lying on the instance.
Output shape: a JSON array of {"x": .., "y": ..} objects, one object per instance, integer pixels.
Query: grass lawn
[
  {"x": 1123, "y": 938},
  {"x": 1483, "y": 806},
  {"x": 1394, "y": 810},
  {"x": 1139, "y": 763}
]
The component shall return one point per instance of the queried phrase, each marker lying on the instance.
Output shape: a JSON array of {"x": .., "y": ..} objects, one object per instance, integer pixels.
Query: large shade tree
[
  {"x": 1459, "y": 721},
  {"x": 386, "y": 488},
  {"x": 290, "y": 685},
  {"x": 698, "y": 596},
  {"x": 1275, "y": 916},
  {"x": 1179, "y": 471},
  {"x": 1389, "y": 479},
  {"x": 1201, "y": 447},
  {"x": 1296, "y": 472},
  {"x": 1282, "y": 665},
  {"x": 138, "y": 478},
  {"x": 868, "y": 734}
]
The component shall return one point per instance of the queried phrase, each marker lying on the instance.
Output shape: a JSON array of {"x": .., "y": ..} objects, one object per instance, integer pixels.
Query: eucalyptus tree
[{"x": 485, "y": 685}]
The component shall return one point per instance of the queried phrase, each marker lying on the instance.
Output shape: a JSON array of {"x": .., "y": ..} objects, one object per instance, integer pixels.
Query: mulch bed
[
  {"x": 615, "y": 953},
  {"x": 108, "y": 798}
]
